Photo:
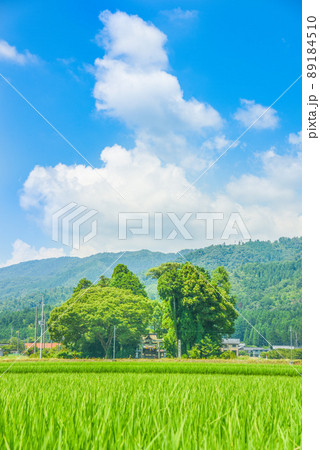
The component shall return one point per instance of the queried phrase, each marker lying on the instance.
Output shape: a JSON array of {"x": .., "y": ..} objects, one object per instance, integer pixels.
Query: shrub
[{"x": 228, "y": 355}]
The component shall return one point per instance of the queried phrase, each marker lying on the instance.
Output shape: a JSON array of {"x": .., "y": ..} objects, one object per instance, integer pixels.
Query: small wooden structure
[
  {"x": 151, "y": 347},
  {"x": 230, "y": 345}
]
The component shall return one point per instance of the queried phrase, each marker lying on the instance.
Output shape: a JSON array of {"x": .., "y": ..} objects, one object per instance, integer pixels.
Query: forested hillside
[
  {"x": 233, "y": 256},
  {"x": 269, "y": 296},
  {"x": 21, "y": 281},
  {"x": 265, "y": 278}
]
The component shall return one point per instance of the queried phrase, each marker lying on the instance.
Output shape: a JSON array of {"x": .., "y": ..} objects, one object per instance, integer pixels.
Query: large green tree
[
  {"x": 197, "y": 307},
  {"x": 86, "y": 323},
  {"x": 123, "y": 278}
]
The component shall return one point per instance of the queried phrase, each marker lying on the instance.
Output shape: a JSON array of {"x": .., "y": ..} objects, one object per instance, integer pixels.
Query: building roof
[
  {"x": 252, "y": 349},
  {"x": 230, "y": 341},
  {"x": 46, "y": 345},
  {"x": 152, "y": 337},
  {"x": 287, "y": 347}
]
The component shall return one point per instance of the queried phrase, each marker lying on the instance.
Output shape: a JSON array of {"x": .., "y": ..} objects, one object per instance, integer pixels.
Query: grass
[{"x": 94, "y": 405}]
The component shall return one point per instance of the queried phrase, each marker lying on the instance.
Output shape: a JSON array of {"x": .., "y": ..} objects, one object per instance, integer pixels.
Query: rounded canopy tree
[{"x": 85, "y": 323}]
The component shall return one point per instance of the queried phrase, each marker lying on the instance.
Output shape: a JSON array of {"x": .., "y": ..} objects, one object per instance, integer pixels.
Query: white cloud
[
  {"x": 146, "y": 184},
  {"x": 10, "y": 53},
  {"x": 24, "y": 252},
  {"x": 269, "y": 204},
  {"x": 295, "y": 138},
  {"x": 251, "y": 111},
  {"x": 219, "y": 142},
  {"x": 133, "y": 83},
  {"x": 180, "y": 14}
]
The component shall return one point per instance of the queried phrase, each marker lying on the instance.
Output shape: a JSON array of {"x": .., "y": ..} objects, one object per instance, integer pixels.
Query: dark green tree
[
  {"x": 196, "y": 307},
  {"x": 123, "y": 278},
  {"x": 83, "y": 284},
  {"x": 103, "y": 281},
  {"x": 157, "y": 318}
]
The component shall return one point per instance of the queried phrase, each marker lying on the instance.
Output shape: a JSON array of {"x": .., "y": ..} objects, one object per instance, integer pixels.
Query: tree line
[{"x": 194, "y": 307}]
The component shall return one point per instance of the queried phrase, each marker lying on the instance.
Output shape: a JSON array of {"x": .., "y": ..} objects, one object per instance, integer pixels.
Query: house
[
  {"x": 254, "y": 351},
  {"x": 230, "y": 345},
  {"x": 47, "y": 345},
  {"x": 151, "y": 347},
  {"x": 282, "y": 347}
]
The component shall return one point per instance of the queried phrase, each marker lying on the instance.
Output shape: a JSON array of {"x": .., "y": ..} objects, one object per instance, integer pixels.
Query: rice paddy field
[{"x": 147, "y": 405}]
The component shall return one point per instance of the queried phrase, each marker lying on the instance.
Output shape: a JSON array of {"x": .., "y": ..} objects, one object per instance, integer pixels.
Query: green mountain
[{"x": 265, "y": 277}]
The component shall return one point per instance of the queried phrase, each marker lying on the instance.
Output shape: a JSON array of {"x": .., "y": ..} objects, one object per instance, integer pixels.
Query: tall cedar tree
[{"x": 197, "y": 307}]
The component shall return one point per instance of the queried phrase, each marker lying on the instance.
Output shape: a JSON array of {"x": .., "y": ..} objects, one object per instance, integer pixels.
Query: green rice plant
[
  {"x": 151, "y": 367},
  {"x": 151, "y": 411}
]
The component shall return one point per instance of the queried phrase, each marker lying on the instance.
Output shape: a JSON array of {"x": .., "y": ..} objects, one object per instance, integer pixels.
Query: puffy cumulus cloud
[
  {"x": 133, "y": 83},
  {"x": 173, "y": 147},
  {"x": 295, "y": 138},
  {"x": 146, "y": 184},
  {"x": 22, "y": 251},
  {"x": 10, "y": 53},
  {"x": 260, "y": 117},
  {"x": 269, "y": 204}
]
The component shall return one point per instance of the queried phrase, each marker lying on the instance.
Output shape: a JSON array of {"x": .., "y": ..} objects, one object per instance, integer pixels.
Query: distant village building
[
  {"x": 254, "y": 351},
  {"x": 231, "y": 345},
  {"x": 283, "y": 347},
  {"x": 47, "y": 345},
  {"x": 151, "y": 348}
]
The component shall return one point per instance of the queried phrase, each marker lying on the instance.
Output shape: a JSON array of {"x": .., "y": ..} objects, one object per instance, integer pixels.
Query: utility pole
[
  {"x": 114, "y": 342},
  {"x": 291, "y": 343},
  {"x": 179, "y": 348},
  {"x": 44, "y": 331},
  {"x": 18, "y": 343},
  {"x": 35, "y": 331},
  {"x": 11, "y": 336},
  {"x": 41, "y": 323}
]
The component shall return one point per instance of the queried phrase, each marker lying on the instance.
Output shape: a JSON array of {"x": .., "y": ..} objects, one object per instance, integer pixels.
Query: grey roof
[
  {"x": 250, "y": 349},
  {"x": 230, "y": 341},
  {"x": 275, "y": 347}
]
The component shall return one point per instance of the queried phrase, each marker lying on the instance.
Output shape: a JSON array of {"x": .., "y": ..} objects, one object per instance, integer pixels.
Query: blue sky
[{"x": 213, "y": 51}]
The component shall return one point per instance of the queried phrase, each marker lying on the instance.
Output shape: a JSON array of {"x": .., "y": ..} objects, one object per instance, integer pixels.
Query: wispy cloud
[
  {"x": 9, "y": 53},
  {"x": 219, "y": 142},
  {"x": 250, "y": 111},
  {"x": 180, "y": 14},
  {"x": 21, "y": 251},
  {"x": 295, "y": 138}
]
